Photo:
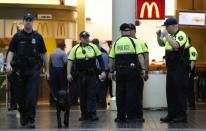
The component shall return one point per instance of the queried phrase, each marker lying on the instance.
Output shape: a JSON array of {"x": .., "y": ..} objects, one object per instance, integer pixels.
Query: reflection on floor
[{"x": 46, "y": 120}]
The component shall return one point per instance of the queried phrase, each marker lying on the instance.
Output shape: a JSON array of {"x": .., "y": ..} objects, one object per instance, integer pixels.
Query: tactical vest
[
  {"x": 127, "y": 60},
  {"x": 26, "y": 55},
  {"x": 176, "y": 58},
  {"x": 87, "y": 64}
]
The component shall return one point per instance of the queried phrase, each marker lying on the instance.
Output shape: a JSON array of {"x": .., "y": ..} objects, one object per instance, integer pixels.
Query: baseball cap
[
  {"x": 124, "y": 27},
  {"x": 170, "y": 21},
  {"x": 28, "y": 16},
  {"x": 132, "y": 26},
  {"x": 84, "y": 34}
]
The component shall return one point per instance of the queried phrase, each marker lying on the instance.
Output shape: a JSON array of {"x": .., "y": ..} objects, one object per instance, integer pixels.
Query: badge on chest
[{"x": 33, "y": 41}]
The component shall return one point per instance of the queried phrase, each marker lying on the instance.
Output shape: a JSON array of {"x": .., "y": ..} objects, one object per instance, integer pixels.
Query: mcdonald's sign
[
  {"x": 61, "y": 30},
  {"x": 43, "y": 28},
  {"x": 15, "y": 27},
  {"x": 150, "y": 9}
]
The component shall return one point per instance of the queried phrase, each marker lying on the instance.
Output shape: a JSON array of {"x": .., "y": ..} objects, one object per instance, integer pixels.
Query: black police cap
[
  {"x": 28, "y": 16},
  {"x": 84, "y": 34},
  {"x": 170, "y": 21},
  {"x": 132, "y": 26},
  {"x": 124, "y": 27}
]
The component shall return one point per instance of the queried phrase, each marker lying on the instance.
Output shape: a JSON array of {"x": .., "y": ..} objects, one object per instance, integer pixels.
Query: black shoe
[
  {"x": 66, "y": 124},
  {"x": 93, "y": 118},
  {"x": 30, "y": 125},
  {"x": 22, "y": 121},
  {"x": 166, "y": 119},
  {"x": 83, "y": 118},
  {"x": 136, "y": 120},
  {"x": 118, "y": 119},
  {"x": 12, "y": 108},
  {"x": 140, "y": 119},
  {"x": 180, "y": 119}
]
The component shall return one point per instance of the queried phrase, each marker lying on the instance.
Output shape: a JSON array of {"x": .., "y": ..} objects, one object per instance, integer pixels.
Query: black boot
[
  {"x": 93, "y": 117},
  {"x": 180, "y": 119},
  {"x": 30, "y": 125},
  {"x": 166, "y": 119},
  {"x": 83, "y": 117},
  {"x": 120, "y": 119}
]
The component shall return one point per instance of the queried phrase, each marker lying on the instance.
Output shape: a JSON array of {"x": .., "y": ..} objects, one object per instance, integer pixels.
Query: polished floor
[{"x": 46, "y": 120}]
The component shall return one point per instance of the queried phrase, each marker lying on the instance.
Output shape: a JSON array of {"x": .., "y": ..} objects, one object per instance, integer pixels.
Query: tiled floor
[{"x": 46, "y": 120}]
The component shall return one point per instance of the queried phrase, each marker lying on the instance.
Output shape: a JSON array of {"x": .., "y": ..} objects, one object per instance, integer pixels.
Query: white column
[{"x": 123, "y": 11}]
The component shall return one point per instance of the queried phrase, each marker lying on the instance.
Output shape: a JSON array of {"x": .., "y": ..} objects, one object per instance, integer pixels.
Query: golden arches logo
[
  {"x": 149, "y": 8},
  {"x": 61, "y": 30},
  {"x": 15, "y": 27},
  {"x": 43, "y": 28}
]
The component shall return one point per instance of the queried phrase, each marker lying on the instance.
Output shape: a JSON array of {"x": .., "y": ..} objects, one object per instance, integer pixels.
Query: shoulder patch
[
  {"x": 180, "y": 38},
  {"x": 89, "y": 48},
  {"x": 193, "y": 53}
]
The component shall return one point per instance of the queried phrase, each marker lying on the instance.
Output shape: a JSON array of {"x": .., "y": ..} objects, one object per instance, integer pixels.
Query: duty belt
[
  {"x": 126, "y": 65},
  {"x": 87, "y": 72}
]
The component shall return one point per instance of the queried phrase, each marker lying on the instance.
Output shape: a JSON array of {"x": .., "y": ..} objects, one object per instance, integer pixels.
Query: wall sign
[{"x": 150, "y": 9}]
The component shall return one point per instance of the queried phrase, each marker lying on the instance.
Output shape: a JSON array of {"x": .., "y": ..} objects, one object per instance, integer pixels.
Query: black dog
[{"x": 63, "y": 104}]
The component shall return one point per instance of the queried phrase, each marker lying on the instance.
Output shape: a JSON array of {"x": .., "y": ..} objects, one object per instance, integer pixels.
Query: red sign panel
[{"x": 150, "y": 9}]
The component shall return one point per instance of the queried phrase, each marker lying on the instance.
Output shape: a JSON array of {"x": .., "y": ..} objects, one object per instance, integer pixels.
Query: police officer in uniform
[
  {"x": 174, "y": 41},
  {"x": 85, "y": 55},
  {"x": 190, "y": 54},
  {"x": 126, "y": 62},
  {"x": 27, "y": 48},
  {"x": 146, "y": 61}
]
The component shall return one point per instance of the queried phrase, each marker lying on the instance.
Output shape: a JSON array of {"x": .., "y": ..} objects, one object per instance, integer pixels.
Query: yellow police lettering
[{"x": 123, "y": 47}]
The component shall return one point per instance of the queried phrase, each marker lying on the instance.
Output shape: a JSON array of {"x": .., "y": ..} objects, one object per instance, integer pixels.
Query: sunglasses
[{"x": 28, "y": 20}]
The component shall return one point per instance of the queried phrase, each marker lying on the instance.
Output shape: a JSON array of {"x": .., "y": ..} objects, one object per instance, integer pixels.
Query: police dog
[{"x": 63, "y": 104}]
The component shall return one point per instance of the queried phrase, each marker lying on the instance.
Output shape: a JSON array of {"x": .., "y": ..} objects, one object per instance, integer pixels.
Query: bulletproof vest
[
  {"x": 27, "y": 54},
  {"x": 176, "y": 59},
  {"x": 86, "y": 65}
]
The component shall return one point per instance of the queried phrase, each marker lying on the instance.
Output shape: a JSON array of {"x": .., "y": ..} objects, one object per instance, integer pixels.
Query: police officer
[
  {"x": 146, "y": 61},
  {"x": 190, "y": 54},
  {"x": 126, "y": 61},
  {"x": 174, "y": 41},
  {"x": 85, "y": 55},
  {"x": 27, "y": 48},
  {"x": 58, "y": 69}
]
